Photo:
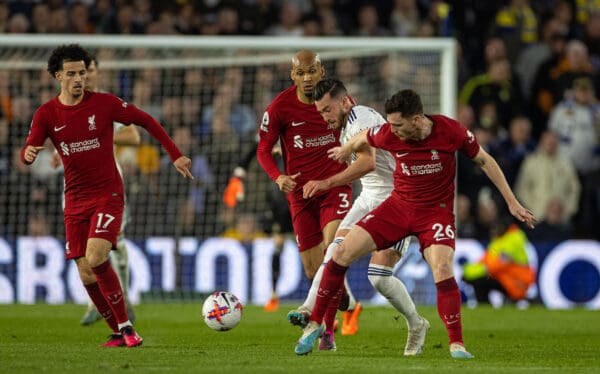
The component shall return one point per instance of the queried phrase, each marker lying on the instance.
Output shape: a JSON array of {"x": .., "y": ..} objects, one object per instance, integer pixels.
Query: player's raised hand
[
  {"x": 340, "y": 154},
  {"x": 183, "y": 165},
  {"x": 31, "y": 153},
  {"x": 287, "y": 183},
  {"x": 310, "y": 188}
]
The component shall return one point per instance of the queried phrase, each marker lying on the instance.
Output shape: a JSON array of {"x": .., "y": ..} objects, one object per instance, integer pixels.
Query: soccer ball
[{"x": 222, "y": 311}]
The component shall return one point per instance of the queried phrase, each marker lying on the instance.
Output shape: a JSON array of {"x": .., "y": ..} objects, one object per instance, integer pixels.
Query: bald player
[{"x": 293, "y": 120}]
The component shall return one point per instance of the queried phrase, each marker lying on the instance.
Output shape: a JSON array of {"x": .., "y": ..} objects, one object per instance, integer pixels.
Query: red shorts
[
  {"x": 394, "y": 220},
  {"x": 99, "y": 219},
  {"x": 309, "y": 216}
]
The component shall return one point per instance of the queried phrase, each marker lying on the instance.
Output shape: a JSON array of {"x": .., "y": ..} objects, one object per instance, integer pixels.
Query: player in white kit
[{"x": 375, "y": 169}]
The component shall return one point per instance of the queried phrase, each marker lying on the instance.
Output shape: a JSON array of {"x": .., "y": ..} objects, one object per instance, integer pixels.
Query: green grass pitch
[{"x": 48, "y": 339}]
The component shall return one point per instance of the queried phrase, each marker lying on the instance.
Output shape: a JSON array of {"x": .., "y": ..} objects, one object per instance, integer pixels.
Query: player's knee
[{"x": 442, "y": 270}]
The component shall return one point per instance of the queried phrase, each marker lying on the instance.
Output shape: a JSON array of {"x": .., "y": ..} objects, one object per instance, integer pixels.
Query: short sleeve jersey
[
  {"x": 425, "y": 169},
  {"x": 379, "y": 181},
  {"x": 83, "y": 137},
  {"x": 305, "y": 138}
]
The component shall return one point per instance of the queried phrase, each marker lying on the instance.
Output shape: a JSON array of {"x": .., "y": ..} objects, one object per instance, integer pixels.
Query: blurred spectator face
[
  {"x": 583, "y": 91},
  {"x": 495, "y": 49},
  {"x": 484, "y": 136},
  {"x": 59, "y": 21},
  {"x": 563, "y": 12},
  {"x": 577, "y": 54},
  {"x": 40, "y": 18},
  {"x": 18, "y": 24},
  {"x": 346, "y": 68},
  {"x": 329, "y": 23},
  {"x": 311, "y": 27},
  {"x": 228, "y": 21},
  {"x": 289, "y": 16},
  {"x": 79, "y": 18},
  {"x": 182, "y": 136},
  {"x": 487, "y": 212},
  {"x": 549, "y": 143},
  {"x": 520, "y": 130},
  {"x": 466, "y": 116},
  {"x": 367, "y": 17},
  {"x": 592, "y": 29},
  {"x": 125, "y": 17}
]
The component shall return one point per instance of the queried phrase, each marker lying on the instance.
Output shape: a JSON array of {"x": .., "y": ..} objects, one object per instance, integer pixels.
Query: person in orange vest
[{"x": 504, "y": 266}]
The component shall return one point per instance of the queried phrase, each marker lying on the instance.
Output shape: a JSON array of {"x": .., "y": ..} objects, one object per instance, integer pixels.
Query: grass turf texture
[{"x": 48, "y": 338}]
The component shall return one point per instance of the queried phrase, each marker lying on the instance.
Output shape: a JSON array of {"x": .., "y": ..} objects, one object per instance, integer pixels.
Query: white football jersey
[{"x": 379, "y": 182}]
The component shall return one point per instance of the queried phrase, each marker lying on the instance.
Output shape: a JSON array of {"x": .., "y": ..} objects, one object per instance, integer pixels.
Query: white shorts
[{"x": 361, "y": 206}]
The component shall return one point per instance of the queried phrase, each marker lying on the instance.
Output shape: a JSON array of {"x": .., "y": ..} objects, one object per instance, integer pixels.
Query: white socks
[{"x": 394, "y": 290}]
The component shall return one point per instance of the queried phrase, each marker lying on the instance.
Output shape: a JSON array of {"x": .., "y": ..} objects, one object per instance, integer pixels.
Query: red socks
[
  {"x": 100, "y": 302},
  {"x": 111, "y": 289},
  {"x": 448, "y": 305},
  {"x": 330, "y": 290}
]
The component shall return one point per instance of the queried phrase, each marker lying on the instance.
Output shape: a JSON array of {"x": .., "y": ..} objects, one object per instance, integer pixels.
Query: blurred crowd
[{"x": 528, "y": 79}]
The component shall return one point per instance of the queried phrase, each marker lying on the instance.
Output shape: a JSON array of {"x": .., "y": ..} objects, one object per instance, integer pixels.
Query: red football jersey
[
  {"x": 305, "y": 138},
  {"x": 83, "y": 137},
  {"x": 425, "y": 170}
]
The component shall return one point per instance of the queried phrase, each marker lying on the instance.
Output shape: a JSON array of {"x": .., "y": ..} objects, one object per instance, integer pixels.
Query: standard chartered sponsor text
[
  {"x": 426, "y": 168},
  {"x": 84, "y": 145},
  {"x": 319, "y": 141}
]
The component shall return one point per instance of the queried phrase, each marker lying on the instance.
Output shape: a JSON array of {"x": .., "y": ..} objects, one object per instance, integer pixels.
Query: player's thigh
[
  {"x": 335, "y": 204},
  {"x": 105, "y": 222},
  {"x": 305, "y": 220},
  {"x": 434, "y": 226},
  {"x": 77, "y": 228},
  {"x": 387, "y": 224},
  {"x": 385, "y": 257}
]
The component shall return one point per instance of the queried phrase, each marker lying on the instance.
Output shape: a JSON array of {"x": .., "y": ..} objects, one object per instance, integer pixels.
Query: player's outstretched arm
[
  {"x": 342, "y": 154},
  {"x": 364, "y": 164},
  {"x": 183, "y": 165},
  {"x": 493, "y": 171}
]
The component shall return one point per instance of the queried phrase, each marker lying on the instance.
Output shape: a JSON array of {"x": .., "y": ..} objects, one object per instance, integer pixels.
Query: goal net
[{"x": 209, "y": 93}]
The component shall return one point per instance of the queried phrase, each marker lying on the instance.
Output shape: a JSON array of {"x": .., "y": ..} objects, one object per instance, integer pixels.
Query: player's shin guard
[
  {"x": 111, "y": 290},
  {"x": 383, "y": 280},
  {"x": 448, "y": 305},
  {"x": 101, "y": 304},
  {"x": 330, "y": 290}
]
